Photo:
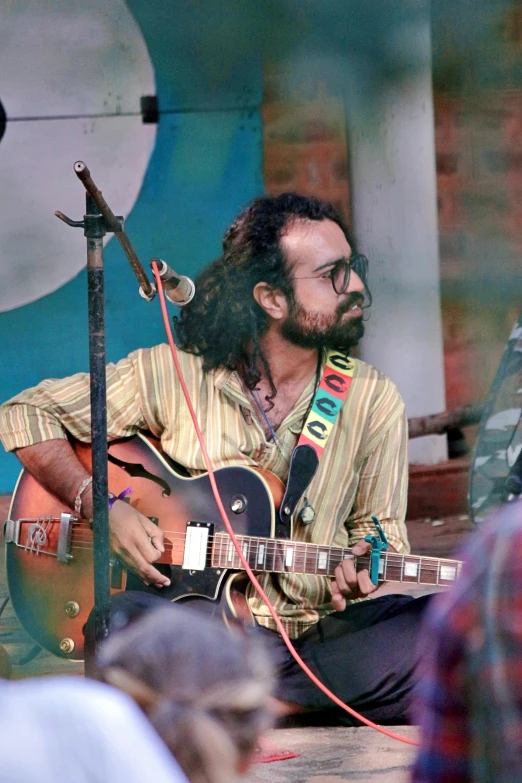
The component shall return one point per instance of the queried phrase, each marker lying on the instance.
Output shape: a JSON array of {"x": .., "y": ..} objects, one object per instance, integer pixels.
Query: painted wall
[
  {"x": 206, "y": 164},
  {"x": 208, "y": 58}
]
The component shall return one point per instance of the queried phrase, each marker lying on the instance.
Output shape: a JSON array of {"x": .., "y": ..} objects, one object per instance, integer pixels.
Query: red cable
[{"x": 237, "y": 547}]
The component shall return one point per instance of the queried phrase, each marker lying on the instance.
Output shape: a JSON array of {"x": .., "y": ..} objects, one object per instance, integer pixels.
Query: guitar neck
[{"x": 293, "y": 557}]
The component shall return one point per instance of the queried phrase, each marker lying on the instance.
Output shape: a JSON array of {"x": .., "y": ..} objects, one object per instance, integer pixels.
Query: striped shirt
[{"x": 362, "y": 471}]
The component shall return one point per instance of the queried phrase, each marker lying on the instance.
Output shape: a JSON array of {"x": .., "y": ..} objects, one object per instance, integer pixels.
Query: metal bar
[
  {"x": 94, "y": 231},
  {"x": 439, "y": 423},
  {"x": 114, "y": 224}
]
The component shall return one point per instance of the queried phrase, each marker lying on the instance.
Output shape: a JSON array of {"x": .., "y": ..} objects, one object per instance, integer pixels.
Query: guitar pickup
[
  {"x": 63, "y": 549},
  {"x": 196, "y": 545}
]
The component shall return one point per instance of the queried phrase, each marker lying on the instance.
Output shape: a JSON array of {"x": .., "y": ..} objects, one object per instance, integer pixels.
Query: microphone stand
[{"x": 98, "y": 221}]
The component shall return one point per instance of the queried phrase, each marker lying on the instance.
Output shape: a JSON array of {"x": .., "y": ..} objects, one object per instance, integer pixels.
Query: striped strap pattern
[{"x": 328, "y": 401}]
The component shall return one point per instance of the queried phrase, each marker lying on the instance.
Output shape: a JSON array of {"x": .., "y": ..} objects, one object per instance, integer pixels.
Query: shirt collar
[{"x": 229, "y": 382}]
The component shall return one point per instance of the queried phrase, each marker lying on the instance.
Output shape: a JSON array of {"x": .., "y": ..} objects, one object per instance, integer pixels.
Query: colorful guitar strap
[{"x": 326, "y": 405}]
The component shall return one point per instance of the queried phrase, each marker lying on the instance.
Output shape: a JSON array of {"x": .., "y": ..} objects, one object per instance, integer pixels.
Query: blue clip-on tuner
[{"x": 379, "y": 543}]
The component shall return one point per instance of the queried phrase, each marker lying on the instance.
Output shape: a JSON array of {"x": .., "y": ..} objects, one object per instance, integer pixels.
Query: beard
[{"x": 315, "y": 330}]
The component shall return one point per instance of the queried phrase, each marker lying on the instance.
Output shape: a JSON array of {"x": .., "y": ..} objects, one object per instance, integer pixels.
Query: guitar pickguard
[
  {"x": 202, "y": 584},
  {"x": 185, "y": 584}
]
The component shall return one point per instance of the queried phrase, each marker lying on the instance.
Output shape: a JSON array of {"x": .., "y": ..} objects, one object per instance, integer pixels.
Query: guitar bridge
[
  {"x": 37, "y": 534},
  {"x": 12, "y": 531},
  {"x": 196, "y": 546}
]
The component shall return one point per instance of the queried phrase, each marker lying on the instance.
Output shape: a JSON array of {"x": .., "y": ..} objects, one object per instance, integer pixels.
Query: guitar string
[
  {"x": 274, "y": 544},
  {"x": 271, "y": 545},
  {"x": 236, "y": 565},
  {"x": 426, "y": 575},
  {"x": 390, "y": 561},
  {"x": 306, "y": 548},
  {"x": 223, "y": 536},
  {"x": 302, "y": 551},
  {"x": 433, "y": 574},
  {"x": 226, "y": 562}
]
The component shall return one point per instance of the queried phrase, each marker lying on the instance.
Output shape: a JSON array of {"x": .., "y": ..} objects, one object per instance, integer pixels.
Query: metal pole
[
  {"x": 98, "y": 220},
  {"x": 95, "y": 231}
]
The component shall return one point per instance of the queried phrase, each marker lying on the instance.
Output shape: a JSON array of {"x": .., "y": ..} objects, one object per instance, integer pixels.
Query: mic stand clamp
[
  {"x": 91, "y": 224},
  {"x": 111, "y": 223}
]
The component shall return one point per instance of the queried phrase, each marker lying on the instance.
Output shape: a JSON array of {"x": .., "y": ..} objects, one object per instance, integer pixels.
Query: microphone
[{"x": 179, "y": 289}]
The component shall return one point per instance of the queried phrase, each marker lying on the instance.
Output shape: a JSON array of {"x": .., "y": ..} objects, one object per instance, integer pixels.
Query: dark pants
[{"x": 366, "y": 655}]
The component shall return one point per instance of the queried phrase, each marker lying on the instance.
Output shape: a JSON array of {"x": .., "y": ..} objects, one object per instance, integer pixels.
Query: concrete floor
[{"x": 359, "y": 755}]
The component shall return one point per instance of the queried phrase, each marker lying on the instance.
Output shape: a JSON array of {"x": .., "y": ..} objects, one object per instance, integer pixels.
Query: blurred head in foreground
[
  {"x": 204, "y": 688},
  {"x": 70, "y": 728}
]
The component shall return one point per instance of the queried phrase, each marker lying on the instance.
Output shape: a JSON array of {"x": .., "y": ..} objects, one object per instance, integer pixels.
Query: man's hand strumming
[{"x": 137, "y": 541}]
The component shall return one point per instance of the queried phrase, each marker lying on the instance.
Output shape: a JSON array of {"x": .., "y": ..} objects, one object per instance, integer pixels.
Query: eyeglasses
[{"x": 340, "y": 273}]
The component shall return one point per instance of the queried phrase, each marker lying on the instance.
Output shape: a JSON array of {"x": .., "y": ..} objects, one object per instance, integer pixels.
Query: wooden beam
[{"x": 438, "y": 423}]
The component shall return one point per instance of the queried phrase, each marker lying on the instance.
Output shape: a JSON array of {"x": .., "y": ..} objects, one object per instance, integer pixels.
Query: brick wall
[{"x": 479, "y": 181}]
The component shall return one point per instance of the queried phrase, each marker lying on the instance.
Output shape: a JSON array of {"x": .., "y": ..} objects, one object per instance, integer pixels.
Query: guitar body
[
  {"x": 53, "y": 599},
  {"x": 49, "y": 553}
]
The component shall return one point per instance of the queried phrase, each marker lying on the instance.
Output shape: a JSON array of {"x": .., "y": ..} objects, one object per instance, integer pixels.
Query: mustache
[{"x": 353, "y": 298}]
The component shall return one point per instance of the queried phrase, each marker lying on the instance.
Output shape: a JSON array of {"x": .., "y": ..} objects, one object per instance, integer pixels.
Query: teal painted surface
[
  {"x": 206, "y": 165},
  {"x": 207, "y": 54}
]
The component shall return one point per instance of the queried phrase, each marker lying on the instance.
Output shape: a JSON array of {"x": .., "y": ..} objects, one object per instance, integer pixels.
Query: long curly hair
[{"x": 224, "y": 323}]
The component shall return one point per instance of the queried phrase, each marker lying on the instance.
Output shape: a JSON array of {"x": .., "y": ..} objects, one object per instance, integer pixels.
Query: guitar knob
[
  {"x": 67, "y": 645},
  {"x": 238, "y": 504},
  {"x": 72, "y": 609}
]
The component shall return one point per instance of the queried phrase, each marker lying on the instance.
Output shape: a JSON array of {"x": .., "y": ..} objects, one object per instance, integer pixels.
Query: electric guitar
[{"x": 49, "y": 552}]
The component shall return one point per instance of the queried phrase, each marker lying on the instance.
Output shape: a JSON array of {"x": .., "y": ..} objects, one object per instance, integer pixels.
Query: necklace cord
[
  {"x": 264, "y": 414},
  {"x": 237, "y": 546}
]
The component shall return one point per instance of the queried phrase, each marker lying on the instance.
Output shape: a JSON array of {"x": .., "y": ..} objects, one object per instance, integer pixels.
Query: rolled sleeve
[
  {"x": 57, "y": 407},
  {"x": 23, "y": 425}
]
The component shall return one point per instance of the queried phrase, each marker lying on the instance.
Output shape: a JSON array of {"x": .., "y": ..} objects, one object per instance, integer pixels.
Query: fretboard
[{"x": 293, "y": 557}]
